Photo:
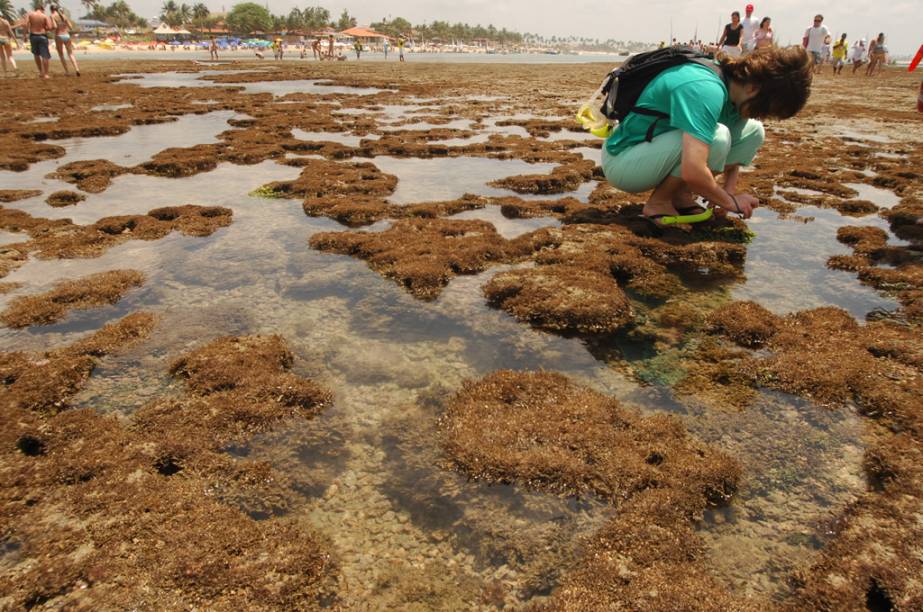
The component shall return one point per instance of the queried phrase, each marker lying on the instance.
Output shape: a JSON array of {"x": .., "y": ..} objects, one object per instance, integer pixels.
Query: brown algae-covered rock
[
  {"x": 541, "y": 430},
  {"x": 146, "y": 476},
  {"x": 82, "y": 293},
  {"x": 45, "y": 383},
  {"x": 93, "y": 176},
  {"x": 321, "y": 178},
  {"x": 746, "y": 323},
  {"x": 177, "y": 162},
  {"x": 60, "y": 199},
  {"x": 561, "y": 298},
  {"x": 69, "y": 241},
  {"x": 422, "y": 255},
  {"x": 545, "y": 431},
  {"x": 14, "y": 195}
]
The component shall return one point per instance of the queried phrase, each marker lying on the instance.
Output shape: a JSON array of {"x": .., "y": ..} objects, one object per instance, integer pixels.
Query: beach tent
[{"x": 165, "y": 32}]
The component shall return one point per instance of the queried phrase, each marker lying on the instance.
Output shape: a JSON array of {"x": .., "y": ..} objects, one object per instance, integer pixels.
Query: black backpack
[{"x": 624, "y": 85}]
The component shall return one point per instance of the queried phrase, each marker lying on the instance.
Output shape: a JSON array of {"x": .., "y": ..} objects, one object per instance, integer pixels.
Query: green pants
[{"x": 645, "y": 165}]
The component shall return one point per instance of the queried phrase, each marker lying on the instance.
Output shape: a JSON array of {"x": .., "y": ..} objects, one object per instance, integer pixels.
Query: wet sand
[{"x": 376, "y": 335}]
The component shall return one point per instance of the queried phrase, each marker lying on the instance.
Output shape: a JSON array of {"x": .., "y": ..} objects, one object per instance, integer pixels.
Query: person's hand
[{"x": 745, "y": 204}]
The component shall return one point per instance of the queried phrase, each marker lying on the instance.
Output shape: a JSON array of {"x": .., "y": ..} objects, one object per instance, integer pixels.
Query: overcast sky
[{"x": 646, "y": 20}]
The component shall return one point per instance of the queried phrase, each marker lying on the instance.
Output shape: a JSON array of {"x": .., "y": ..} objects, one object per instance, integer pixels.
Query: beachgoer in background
[
  {"x": 277, "y": 49},
  {"x": 730, "y": 38},
  {"x": 764, "y": 36},
  {"x": 858, "y": 54},
  {"x": 62, "y": 38},
  {"x": 750, "y": 25},
  {"x": 712, "y": 129},
  {"x": 400, "y": 48},
  {"x": 828, "y": 49},
  {"x": 813, "y": 41},
  {"x": 877, "y": 55},
  {"x": 386, "y": 45},
  {"x": 315, "y": 47},
  {"x": 38, "y": 26},
  {"x": 212, "y": 48},
  {"x": 840, "y": 50},
  {"x": 330, "y": 47},
  {"x": 357, "y": 47},
  {"x": 6, "y": 44}
]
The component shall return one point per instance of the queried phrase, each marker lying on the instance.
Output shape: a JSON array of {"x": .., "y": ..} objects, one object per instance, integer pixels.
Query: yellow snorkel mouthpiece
[{"x": 593, "y": 121}]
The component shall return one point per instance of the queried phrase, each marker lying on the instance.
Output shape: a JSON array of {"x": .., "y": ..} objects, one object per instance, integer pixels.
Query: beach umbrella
[{"x": 174, "y": 43}]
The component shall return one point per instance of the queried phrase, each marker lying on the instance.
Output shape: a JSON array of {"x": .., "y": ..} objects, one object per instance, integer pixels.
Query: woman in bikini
[
  {"x": 62, "y": 38},
  {"x": 764, "y": 36},
  {"x": 6, "y": 44}
]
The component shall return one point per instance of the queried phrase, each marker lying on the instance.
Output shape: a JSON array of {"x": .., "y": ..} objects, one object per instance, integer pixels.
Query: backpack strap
[{"x": 650, "y": 113}]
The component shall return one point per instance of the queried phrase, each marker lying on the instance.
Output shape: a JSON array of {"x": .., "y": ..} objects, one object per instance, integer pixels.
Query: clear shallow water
[
  {"x": 276, "y": 88},
  {"x": 882, "y": 197},
  {"x": 339, "y": 137},
  {"x": 143, "y": 141},
  {"x": 438, "y": 179},
  {"x": 786, "y": 265},
  {"x": 366, "y": 471},
  {"x": 508, "y": 228},
  {"x": 110, "y": 107}
]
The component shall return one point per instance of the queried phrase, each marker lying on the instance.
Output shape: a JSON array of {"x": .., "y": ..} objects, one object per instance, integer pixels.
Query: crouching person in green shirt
[{"x": 712, "y": 129}]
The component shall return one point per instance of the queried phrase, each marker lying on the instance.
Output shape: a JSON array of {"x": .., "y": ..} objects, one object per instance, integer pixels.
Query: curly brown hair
[{"x": 783, "y": 75}]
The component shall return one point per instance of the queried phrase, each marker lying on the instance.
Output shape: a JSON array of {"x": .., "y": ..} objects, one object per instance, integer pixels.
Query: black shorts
[{"x": 39, "y": 44}]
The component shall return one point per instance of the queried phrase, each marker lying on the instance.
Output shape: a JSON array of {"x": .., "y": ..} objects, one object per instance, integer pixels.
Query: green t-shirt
[{"x": 694, "y": 97}]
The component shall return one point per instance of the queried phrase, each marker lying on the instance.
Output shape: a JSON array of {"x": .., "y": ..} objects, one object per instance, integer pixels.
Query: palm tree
[
  {"x": 200, "y": 11},
  {"x": 168, "y": 7},
  {"x": 89, "y": 6},
  {"x": 185, "y": 13},
  {"x": 7, "y": 11}
]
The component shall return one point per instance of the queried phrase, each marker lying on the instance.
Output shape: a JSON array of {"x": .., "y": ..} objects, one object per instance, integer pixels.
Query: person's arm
[
  {"x": 807, "y": 37},
  {"x": 724, "y": 35},
  {"x": 697, "y": 175}
]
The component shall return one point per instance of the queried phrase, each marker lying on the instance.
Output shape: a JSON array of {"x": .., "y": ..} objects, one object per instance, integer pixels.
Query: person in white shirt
[
  {"x": 751, "y": 25},
  {"x": 858, "y": 54},
  {"x": 814, "y": 41}
]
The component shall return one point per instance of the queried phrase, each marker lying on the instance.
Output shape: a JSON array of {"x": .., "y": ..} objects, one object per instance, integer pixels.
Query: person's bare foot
[
  {"x": 684, "y": 200},
  {"x": 653, "y": 209}
]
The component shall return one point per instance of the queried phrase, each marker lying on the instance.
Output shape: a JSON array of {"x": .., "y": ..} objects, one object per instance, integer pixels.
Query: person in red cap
[{"x": 751, "y": 24}]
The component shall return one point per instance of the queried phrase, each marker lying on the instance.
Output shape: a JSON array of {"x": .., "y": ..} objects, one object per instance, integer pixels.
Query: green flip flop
[{"x": 682, "y": 219}]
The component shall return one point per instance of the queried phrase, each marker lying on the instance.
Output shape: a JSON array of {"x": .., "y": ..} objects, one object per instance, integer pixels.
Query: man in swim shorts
[{"x": 38, "y": 25}]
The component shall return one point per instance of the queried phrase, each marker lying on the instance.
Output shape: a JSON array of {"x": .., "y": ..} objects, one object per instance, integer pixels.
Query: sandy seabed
[{"x": 371, "y": 336}]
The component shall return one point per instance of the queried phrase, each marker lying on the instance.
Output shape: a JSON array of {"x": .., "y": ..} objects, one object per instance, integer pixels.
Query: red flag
[{"x": 916, "y": 60}]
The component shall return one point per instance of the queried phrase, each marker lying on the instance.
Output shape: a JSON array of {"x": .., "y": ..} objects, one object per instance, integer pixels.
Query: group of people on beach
[
  {"x": 743, "y": 36},
  {"x": 818, "y": 40},
  {"x": 39, "y": 28}
]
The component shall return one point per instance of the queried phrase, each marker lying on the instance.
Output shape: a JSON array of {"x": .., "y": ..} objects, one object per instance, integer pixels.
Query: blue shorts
[
  {"x": 817, "y": 57},
  {"x": 39, "y": 44}
]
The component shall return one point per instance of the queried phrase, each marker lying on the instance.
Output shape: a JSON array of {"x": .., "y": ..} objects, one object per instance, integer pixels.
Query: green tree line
[{"x": 249, "y": 17}]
